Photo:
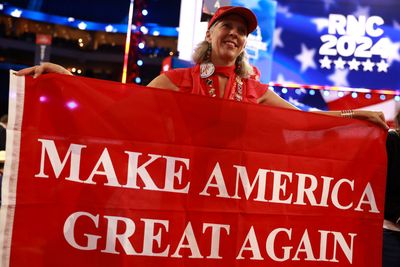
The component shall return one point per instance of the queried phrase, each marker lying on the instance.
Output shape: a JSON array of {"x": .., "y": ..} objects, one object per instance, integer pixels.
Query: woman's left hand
[
  {"x": 45, "y": 67},
  {"x": 376, "y": 117}
]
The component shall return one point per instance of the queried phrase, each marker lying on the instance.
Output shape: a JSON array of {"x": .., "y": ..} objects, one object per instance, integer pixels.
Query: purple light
[
  {"x": 43, "y": 99},
  {"x": 72, "y": 104}
]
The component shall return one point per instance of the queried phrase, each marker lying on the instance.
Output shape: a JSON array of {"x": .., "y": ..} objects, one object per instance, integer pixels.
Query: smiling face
[{"x": 228, "y": 38}]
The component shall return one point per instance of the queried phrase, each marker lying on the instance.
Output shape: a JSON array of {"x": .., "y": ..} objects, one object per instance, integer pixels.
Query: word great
[{"x": 148, "y": 234}]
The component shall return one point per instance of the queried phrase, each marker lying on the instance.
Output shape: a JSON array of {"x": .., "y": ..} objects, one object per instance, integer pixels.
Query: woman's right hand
[{"x": 45, "y": 67}]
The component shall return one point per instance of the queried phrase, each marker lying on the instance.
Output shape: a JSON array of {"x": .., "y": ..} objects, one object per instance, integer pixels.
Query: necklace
[
  {"x": 211, "y": 89},
  {"x": 239, "y": 88},
  {"x": 237, "y": 94},
  {"x": 207, "y": 71}
]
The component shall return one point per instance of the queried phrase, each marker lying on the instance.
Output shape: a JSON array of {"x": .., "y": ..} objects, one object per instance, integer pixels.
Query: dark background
[{"x": 161, "y": 12}]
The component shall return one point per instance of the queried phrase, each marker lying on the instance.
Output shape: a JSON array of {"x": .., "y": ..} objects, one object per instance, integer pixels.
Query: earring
[
  {"x": 207, "y": 68},
  {"x": 208, "y": 52},
  {"x": 238, "y": 63},
  {"x": 238, "y": 69}
]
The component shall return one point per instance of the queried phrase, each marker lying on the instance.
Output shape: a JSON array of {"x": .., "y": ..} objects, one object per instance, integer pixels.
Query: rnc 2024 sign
[
  {"x": 352, "y": 38},
  {"x": 340, "y": 43}
]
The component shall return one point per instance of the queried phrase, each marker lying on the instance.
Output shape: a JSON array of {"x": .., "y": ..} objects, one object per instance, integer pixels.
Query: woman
[
  {"x": 391, "y": 224},
  {"x": 222, "y": 69}
]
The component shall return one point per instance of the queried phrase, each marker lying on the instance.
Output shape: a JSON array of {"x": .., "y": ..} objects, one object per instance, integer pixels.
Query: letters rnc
[{"x": 351, "y": 25}]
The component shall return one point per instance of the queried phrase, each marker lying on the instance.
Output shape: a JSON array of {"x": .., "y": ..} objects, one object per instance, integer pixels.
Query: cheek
[
  {"x": 216, "y": 40},
  {"x": 244, "y": 42},
  {"x": 213, "y": 38}
]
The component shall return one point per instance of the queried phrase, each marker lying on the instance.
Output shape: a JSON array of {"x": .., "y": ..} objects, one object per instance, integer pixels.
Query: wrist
[{"x": 348, "y": 113}]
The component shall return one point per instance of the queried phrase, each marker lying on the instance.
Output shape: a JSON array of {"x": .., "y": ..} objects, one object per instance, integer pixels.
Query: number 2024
[{"x": 360, "y": 46}]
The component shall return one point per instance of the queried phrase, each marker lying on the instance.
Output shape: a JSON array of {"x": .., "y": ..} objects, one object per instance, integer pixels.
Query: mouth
[{"x": 231, "y": 43}]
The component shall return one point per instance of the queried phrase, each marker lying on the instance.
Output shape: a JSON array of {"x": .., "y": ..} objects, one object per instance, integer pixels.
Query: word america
[{"x": 176, "y": 182}]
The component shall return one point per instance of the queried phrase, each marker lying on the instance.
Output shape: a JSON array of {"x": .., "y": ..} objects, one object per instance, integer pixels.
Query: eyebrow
[{"x": 242, "y": 27}]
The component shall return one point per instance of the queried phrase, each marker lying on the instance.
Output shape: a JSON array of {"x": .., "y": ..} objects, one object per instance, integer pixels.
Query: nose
[{"x": 234, "y": 31}]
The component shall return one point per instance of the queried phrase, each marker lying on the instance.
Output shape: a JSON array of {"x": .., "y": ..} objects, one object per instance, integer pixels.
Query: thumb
[{"x": 38, "y": 71}]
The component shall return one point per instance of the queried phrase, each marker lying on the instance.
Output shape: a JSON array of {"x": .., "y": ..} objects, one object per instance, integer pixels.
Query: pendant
[
  {"x": 212, "y": 93},
  {"x": 238, "y": 95},
  {"x": 206, "y": 70}
]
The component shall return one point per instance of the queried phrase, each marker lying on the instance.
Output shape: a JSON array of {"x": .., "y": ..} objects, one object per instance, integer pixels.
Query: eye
[
  {"x": 242, "y": 30},
  {"x": 227, "y": 25}
]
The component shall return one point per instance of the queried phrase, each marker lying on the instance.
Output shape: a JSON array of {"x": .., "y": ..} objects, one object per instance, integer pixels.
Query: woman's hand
[
  {"x": 45, "y": 67},
  {"x": 376, "y": 117}
]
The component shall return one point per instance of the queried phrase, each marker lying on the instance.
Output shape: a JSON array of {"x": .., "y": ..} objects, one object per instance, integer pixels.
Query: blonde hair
[{"x": 243, "y": 68}]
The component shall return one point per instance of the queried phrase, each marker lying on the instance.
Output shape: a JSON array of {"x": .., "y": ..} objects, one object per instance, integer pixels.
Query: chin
[{"x": 229, "y": 56}]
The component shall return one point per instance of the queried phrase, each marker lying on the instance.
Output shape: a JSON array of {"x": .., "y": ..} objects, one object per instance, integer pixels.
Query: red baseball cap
[{"x": 245, "y": 13}]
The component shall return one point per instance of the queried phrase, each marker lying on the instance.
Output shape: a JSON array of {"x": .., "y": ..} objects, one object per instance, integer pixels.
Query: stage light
[
  {"x": 368, "y": 96},
  {"x": 144, "y": 30},
  {"x": 138, "y": 80},
  {"x": 141, "y": 45},
  {"x": 109, "y": 28},
  {"x": 72, "y": 104},
  {"x": 156, "y": 33},
  {"x": 397, "y": 98},
  {"x": 382, "y": 97},
  {"x": 80, "y": 40},
  {"x": 73, "y": 70},
  {"x": 145, "y": 12},
  {"x": 326, "y": 93},
  {"x": 340, "y": 94},
  {"x": 298, "y": 91},
  {"x": 284, "y": 90},
  {"x": 79, "y": 71},
  {"x": 127, "y": 42},
  {"x": 140, "y": 62},
  {"x": 16, "y": 13},
  {"x": 271, "y": 88},
  {"x": 311, "y": 92},
  {"x": 72, "y": 22},
  {"x": 354, "y": 95},
  {"x": 43, "y": 99},
  {"x": 82, "y": 25}
]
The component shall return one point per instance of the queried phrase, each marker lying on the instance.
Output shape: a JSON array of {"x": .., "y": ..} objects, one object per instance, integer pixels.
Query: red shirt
[{"x": 188, "y": 80}]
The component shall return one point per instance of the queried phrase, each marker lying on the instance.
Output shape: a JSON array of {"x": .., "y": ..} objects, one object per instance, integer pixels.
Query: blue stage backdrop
[
  {"x": 349, "y": 43},
  {"x": 259, "y": 44}
]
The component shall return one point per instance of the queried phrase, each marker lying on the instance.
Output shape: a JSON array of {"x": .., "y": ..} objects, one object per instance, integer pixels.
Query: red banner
[{"x": 106, "y": 174}]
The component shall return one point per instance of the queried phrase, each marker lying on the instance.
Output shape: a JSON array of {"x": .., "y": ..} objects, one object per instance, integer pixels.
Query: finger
[
  {"x": 27, "y": 71},
  {"x": 385, "y": 126},
  {"x": 38, "y": 71},
  {"x": 382, "y": 116},
  {"x": 382, "y": 120},
  {"x": 383, "y": 123}
]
